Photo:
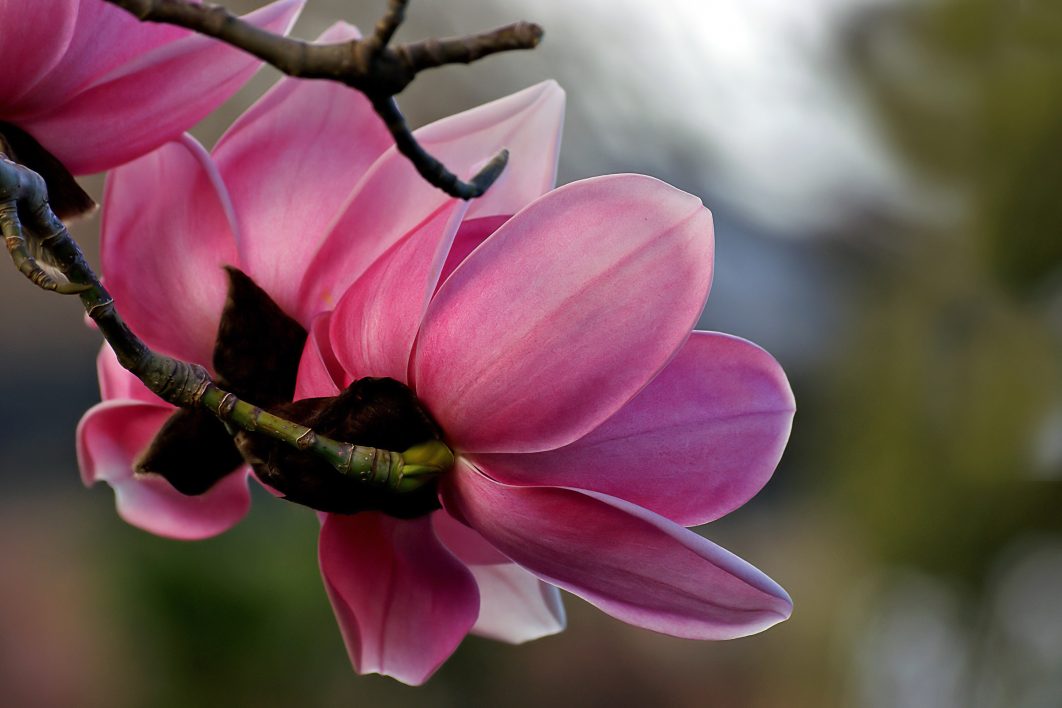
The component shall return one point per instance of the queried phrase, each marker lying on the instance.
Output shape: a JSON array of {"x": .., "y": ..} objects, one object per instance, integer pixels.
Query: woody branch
[
  {"x": 370, "y": 65},
  {"x": 26, "y": 215}
]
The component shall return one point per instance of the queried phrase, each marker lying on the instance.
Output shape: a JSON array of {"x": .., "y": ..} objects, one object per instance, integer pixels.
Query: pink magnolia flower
[
  {"x": 590, "y": 426},
  {"x": 96, "y": 87},
  {"x": 287, "y": 180}
]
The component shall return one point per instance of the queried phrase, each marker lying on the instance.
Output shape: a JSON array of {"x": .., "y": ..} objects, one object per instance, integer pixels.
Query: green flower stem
[
  {"x": 368, "y": 463},
  {"x": 23, "y": 194}
]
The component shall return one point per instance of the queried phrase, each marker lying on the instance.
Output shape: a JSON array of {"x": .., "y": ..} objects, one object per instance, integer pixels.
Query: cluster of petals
[
  {"x": 97, "y": 87},
  {"x": 549, "y": 332}
]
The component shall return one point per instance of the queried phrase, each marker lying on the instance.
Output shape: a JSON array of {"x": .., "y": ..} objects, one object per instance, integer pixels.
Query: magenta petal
[
  {"x": 35, "y": 37},
  {"x": 152, "y": 98},
  {"x": 514, "y": 605},
  {"x": 112, "y": 435},
  {"x": 472, "y": 233},
  {"x": 393, "y": 199},
  {"x": 374, "y": 325},
  {"x": 290, "y": 162},
  {"x": 402, "y": 601},
  {"x": 564, "y": 314},
  {"x": 319, "y": 372},
  {"x": 104, "y": 37},
  {"x": 467, "y": 545},
  {"x": 695, "y": 444},
  {"x": 166, "y": 221},
  {"x": 633, "y": 564}
]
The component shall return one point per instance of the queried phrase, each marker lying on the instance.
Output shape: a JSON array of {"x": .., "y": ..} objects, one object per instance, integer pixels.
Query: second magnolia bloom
[
  {"x": 558, "y": 362},
  {"x": 552, "y": 349}
]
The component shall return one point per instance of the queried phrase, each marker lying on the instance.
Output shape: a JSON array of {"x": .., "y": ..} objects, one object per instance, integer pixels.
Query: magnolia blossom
[
  {"x": 547, "y": 333},
  {"x": 589, "y": 426},
  {"x": 307, "y": 171},
  {"x": 97, "y": 87}
]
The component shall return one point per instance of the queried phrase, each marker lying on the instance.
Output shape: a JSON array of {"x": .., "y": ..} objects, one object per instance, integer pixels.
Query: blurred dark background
[{"x": 885, "y": 177}]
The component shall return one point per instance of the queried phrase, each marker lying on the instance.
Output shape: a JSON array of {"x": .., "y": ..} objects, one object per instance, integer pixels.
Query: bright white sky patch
[{"x": 756, "y": 93}]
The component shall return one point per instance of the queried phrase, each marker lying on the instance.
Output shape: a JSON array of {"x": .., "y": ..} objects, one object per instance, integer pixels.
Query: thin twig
[
  {"x": 387, "y": 26},
  {"x": 24, "y": 198},
  {"x": 369, "y": 65}
]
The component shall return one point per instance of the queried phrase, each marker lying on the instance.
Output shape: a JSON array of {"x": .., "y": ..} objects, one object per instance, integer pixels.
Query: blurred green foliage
[{"x": 946, "y": 384}]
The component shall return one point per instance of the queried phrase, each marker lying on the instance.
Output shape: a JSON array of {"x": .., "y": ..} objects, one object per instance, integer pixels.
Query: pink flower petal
[
  {"x": 320, "y": 374},
  {"x": 374, "y": 325},
  {"x": 467, "y": 545},
  {"x": 514, "y": 606},
  {"x": 533, "y": 145},
  {"x": 402, "y": 601},
  {"x": 112, "y": 435},
  {"x": 472, "y": 233},
  {"x": 393, "y": 199},
  {"x": 117, "y": 383},
  {"x": 151, "y": 99},
  {"x": 289, "y": 169},
  {"x": 564, "y": 314},
  {"x": 695, "y": 444},
  {"x": 167, "y": 222},
  {"x": 629, "y": 562},
  {"x": 104, "y": 37},
  {"x": 36, "y": 34}
]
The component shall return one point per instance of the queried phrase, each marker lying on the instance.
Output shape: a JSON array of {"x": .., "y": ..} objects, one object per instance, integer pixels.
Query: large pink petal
[
  {"x": 35, "y": 36},
  {"x": 166, "y": 234},
  {"x": 375, "y": 323},
  {"x": 402, "y": 601},
  {"x": 104, "y": 37},
  {"x": 393, "y": 199},
  {"x": 631, "y": 563},
  {"x": 290, "y": 163},
  {"x": 150, "y": 99},
  {"x": 320, "y": 374},
  {"x": 514, "y": 605},
  {"x": 695, "y": 444},
  {"x": 533, "y": 145},
  {"x": 564, "y": 314},
  {"x": 472, "y": 233},
  {"x": 112, "y": 435}
]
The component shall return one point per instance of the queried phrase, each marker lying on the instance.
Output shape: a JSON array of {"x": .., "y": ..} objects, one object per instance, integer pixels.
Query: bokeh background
[{"x": 886, "y": 177}]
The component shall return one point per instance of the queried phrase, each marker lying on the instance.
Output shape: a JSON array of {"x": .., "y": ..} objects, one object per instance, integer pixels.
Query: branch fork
[{"x": 370, "y": 65}]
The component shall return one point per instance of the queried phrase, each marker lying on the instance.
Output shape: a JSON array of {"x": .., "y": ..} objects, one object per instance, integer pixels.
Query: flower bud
[{"x": 421, "y": 464}]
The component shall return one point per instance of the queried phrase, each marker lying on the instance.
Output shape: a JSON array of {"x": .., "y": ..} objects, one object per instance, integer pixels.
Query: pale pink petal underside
[
  {"x": 290, "y": 162},
  {"x": 152, "y": 98},
  {"x": 633, "y": 564},
  {"x": 374, "y": 325},
  {"x": 166, "y": 235},
  {"x": 393, "y": 198},
  {"x": 402, "y": 601},
  {"x": 695, "y": 444},
  {"x": 564, "y": 314},
  {"x": 111, "y": 436},
  {"x": 514, "y": 605}
]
